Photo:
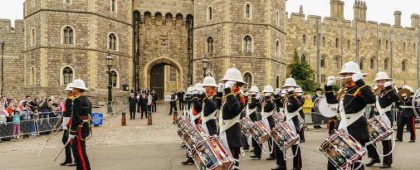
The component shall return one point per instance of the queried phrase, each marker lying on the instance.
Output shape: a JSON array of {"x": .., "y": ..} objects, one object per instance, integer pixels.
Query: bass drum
[
  {"x": 327, "y": 110},
  {"x": 316, "y": 104}
]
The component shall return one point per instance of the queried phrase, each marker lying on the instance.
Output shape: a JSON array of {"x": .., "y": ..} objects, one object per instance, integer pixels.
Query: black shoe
[
  {"x": 255, "y": 158},
  {"x": 302, "y": 141},
  {"x": 373, "y": 161},
  {"x": 71, "y": 164},
  {"x": 384, "y": 166},
  {"x": 188, "y": 162},
  {"x": 278, "y": 168},
  {"x": 296, "y": 169},
  {"x": 270, "y": 158},
  {"x": 412, "y": 141},
  {"x": 398, "y": 140},
  {"x": 64, "y": 163},
  {"x": 183, "y": 146}
]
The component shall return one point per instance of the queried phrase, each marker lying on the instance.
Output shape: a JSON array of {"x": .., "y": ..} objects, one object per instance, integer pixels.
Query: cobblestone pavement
[{"x": 138, "y": 146}]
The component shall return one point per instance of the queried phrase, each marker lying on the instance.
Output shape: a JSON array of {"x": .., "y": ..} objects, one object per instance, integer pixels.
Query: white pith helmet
[
  {"x": 209, "y": 81},
  {"x": 79, "y": 84},
  {"x": 382, "y": 76},
  {"x": 290, "y": 82},
  {"x": 268, "y": 89},
  {"x": 233, "y": 74}
]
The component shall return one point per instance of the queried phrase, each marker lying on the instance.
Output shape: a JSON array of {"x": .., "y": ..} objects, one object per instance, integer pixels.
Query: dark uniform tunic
[
  {"x": 80, "y": 127},
  {"x": 252, "y": 105},
  {"x": 210, "y": 106},
  {"x": 67, "y": 113},
  {"x": 407, "y": 117},
  {"x": 355, "y": 99}
]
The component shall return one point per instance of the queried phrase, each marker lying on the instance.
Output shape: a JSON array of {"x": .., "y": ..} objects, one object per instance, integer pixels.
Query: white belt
[
  {"x": 209, "y": 117},
  {"x": 289, "y": 116},
  {"x": 226, "y": 124},
  {"x": 349, "y": 119},
  {"x": 380, "y": 109},
  {"x": 266, "y": 114},
  {"x": 250, "y": 111}
]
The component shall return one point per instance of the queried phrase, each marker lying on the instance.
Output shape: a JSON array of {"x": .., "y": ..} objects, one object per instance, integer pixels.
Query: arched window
[
  {"x": 322, "y": 63},
  {"x": 372, "y": 63},
  {"x": 379, "y": 44},
  {"x": 209, "y": 13},
  {"x": 335, "y": 63},
  {"x": 33, "y": 76},
  {"x": 248, "y": 11},
  {"x": 303, "y": 58},
  {"x": 248, "y": 80},
  {"x": 158, "y": 18},
  {"x": 68, "y": 35},
  {"x": 172, "y": 74},
  {"x": 404, "y": 49},
  {"x": 304, "y": 39},
  {"x": 348, "y": 44},
  {"x": 168, "y": 18},
  {"x": 361, "y": 64},
  {"x": 67, "y": 75},
  {"x": 112, "y": 41},
  {"x": 114, "y": 79},
  {"x": 386, "y": 63},
  {"x": 210, "y": 46},
  {"x": 386, "y": 44},
  {"x": 147, "y": 18},
  {"x": 68, "y": 1},
  {"x": 179, "y": 19},
  {"x": 277, "y": 48},
  {"x": 323, "y": 41},
  {"x": 404, "y": 65},
  {"x": 33, "y": 37},
  {"x": 337, "y": 42},
  {"x": 277, "y": 81},
  {"x": 314, "y": 40},
  {"x": 113, "y": 5},
  {"x": 247, "y": 44}
]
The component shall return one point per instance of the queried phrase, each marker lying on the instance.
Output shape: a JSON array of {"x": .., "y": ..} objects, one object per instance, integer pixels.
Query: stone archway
[{"x": 154, "y": 75}]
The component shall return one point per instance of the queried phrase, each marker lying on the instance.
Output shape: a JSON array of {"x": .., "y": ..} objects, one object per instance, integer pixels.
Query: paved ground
[{"x": 141, "y": 147}]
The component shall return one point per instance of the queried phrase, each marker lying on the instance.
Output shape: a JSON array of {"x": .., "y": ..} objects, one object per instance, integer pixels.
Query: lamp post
[
  {"x": 109, "y": 59},
  {"x": 2, "y": 67},
  {"x": 205, "y": 63}
]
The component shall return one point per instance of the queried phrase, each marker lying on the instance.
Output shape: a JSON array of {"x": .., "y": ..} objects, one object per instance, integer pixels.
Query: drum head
[
  {"x": 327, "y": 110},
  {"x": 416, "y": 102}
]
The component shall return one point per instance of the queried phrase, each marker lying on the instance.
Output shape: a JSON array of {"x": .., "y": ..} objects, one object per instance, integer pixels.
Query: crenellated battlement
[{"x": 6, "y": 26}]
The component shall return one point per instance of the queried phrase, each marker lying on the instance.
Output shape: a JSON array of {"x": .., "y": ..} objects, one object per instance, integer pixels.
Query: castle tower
[
  {"x": 337, "y": 9},
  {"x": 415, "y": 21},
  {"x": 360, "y": 10},
  {"x": 62, "y": 44},
  {"x": 249, "y": 34},
  {"x": 397, "y": 18}
]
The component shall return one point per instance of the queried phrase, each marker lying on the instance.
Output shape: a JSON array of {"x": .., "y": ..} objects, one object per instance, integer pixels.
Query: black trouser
[
  {"x": 143, "y": 110},
  {"x": 67, "y": 151},
  {"x": 154, "y": 107},
  {"x": 181, "y": 105},
  {"x": 246, "y": 145},
  {"x": 411, "y": 123},
  {"x": 257, "y": 148},
  {"x": 173, "y": 107},
  {"x": 235, "y": 153},
  {"x": 270, "y": 143},
  {"x": 133, "y": 114},
  {"x": 297, "y": 160},
  {"x": 138, "y": 107},
  {"x": 79, "y": 152},
  {"x": 280, "y": 158},
  {"x": 387, "y": 147}
]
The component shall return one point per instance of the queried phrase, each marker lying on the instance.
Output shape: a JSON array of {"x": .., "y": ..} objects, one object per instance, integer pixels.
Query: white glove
[
  {"x": 229, "y": 84},
  {"x": 387, "y": 84},
  {"x": 266, "y": 94},
  {"x": 200, "y": 92},
  {"x": 258, "y": 97},
  {"x": 246, "y": 93},
  {"x": 195, "y": 92},
  {"x": 331, "y": 81},
  {"x": 290, "y": 89},
  {"x": 71, "y": 137},
  {"x": 357, "y": 77},
  {"x": 220, "y": 88}
]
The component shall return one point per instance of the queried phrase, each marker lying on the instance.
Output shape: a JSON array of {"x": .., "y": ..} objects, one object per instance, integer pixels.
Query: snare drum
[
  {"x": 342, "y": 149},
  {"x": 278, "y": 118},
  {"x": 246, "y": 125},
  {"x": 378, "y": 129},
  {"x": 259, "y": 132},
  {"x": 211, "y": 155},
  {"x": 284, "y": 136}
]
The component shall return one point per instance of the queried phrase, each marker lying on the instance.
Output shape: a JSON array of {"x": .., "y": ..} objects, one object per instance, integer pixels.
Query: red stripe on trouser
[
  {"x": 413, "y": 126},
  {"x": 79, "y": 148}
]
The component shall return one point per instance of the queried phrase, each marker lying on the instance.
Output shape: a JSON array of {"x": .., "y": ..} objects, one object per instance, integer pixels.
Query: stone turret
[
  {"x": 360, "y": 9},
  {"x": 397, "y": 18},
  {"x": 415, "y": 20},
  {"x": 337, "y": 9}
]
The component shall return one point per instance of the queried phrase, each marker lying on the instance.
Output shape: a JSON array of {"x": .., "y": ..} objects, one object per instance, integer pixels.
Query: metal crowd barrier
[{"x": 44, "y": 122}]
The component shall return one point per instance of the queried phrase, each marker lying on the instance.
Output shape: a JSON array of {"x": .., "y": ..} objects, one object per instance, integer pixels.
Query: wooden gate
[{"x": 157, "y": 76}]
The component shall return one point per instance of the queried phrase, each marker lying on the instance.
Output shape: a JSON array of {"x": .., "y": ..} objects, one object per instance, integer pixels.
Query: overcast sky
[{"x": 378, "y": 10}]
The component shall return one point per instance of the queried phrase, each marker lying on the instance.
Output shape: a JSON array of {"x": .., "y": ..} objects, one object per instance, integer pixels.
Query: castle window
[
  {"x": 404, "y": 49},
  {"x": 277, "y": 81},
  {"x": 335, "y": 63},
  {"x": 210, "y": 46},
  {"x": 115, "y": 79},
  {"x": 67, "y": 75},
  {"x": 248, "y": 80},
  {"x": 404, "y": 65},
  {"x": 209, "y": 13},
  {"x": 323, "y": 41},
  {"x": 372, "y": 63},
  {"x": 361, "y": 64},
  {"x": 68, "y": 1},
  {"x": 379, "y": 44},
  {"x": 304, "y": 39},
  {"x": 315, "y": 40},
  {"x": 337, "y": 42},
  {"x": 168, "y": 18},
  {"x": 248, "y": 11},
  {"x": 386, "y": 44},
  {"x": 247, "y": 44},
  {"x": 172, "y": 74},
  {"x": 323, "y": 78},
  {"x": 33, "y": 37},
  {"x": 386, "y": 63},
  {"x": 68, "y": 35},
  {"x": 147, "y": 18},
  {"x": 322, "y": 62},
  {"x": 303, "y": 58},
  {"x": 112, "y": 41},
  {"x": 113, "y": 6},
  {"x": 33, "y": 76},
  {"x": 278, "y": 48},
  {"x": 348, "y": 44}
]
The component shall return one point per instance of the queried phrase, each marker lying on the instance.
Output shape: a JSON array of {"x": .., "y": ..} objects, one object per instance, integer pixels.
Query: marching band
[{"x": 227, "y": 119}]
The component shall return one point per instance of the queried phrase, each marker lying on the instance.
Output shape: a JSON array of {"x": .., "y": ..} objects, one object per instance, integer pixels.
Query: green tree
[{"x": 303, "y": 74}]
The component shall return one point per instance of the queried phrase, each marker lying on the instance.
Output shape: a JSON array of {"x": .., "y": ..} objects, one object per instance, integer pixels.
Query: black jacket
[
  {"x": 211, "y": 105},
  {"x": 132, "y": 101},
  {"x": 269, "y": 107},
  {"x": 387, "y": 97},
  {"x": 82, "y": 109},
  {"x": 407, "y": 112},
  {"x": 232, "y": 108},
  {"x": 253, "y": 104}
]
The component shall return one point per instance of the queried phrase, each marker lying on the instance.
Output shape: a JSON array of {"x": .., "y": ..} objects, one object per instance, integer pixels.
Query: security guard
[
  {"x": 80, "y": 127},
  {"x": 230, "y": 112},
  {"x": 352, "y": 102},
  {"x": 384, "y": 100},
  {"x": 67, "y": 113}
]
